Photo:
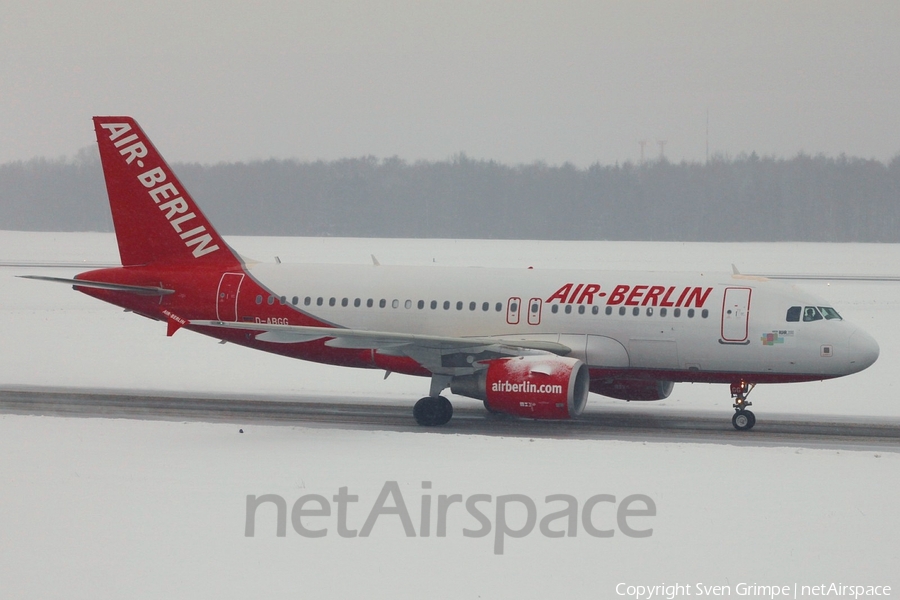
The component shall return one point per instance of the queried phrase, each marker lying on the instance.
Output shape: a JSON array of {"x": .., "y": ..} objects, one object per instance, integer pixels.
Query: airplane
[{"x": 527, "y": 342}]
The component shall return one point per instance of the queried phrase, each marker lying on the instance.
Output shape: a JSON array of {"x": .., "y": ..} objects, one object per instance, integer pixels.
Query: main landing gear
[
  {"x": 434, "y": 410},
  {"x": 743, "y": 419}
]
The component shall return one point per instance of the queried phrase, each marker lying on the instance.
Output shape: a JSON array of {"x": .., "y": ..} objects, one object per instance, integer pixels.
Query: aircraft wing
[
  {"x": 438, "y": 354},
  {"x": 827, "y": 277},
  {"x": 815, "y": 276}
]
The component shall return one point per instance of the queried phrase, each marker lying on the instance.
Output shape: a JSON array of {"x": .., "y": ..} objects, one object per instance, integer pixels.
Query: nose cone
[{"x": 863, "y": 350}]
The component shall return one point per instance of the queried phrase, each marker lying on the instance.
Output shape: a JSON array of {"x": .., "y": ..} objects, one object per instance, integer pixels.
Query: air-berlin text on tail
[
  {"x": 633, "y": 295},
  {"x": 165, "y": 195}
]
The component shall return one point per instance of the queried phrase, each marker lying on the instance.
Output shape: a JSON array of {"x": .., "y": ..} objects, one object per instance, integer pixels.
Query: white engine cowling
[
  {"x": 633, "y": 389},
  {"x": 538, "y": 387}
]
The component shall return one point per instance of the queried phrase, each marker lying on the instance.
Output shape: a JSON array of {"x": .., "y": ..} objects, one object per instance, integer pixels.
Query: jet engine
[
  {"x": 538, "y": 387},
  {"x": 633, "y": 389}
]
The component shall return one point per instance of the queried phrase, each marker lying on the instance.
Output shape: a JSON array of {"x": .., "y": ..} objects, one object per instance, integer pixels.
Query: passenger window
[
  {"x": 498, "y": 307},
  {"x": 472, "y": 305},
  {"x": 662, "y": 312},
  {"x": 382, "y": 303},
  {"x": 307, "y": 301},
  {"x": 459, "y": 305},
  {"x": 793, "y": 314},
  {"x": 370, "y": 303},
  {"x": 554, "y": 309},
  {"x": 319, "y": 301},
  {"x": 486, "y": 306},
  {"x": 635, "y": 311},
  {"x": 421, "y": 304},
  {"x": 395, "y": 303},
  {"x": 811, "y": 313},
  {"x": 704, "y": 313},
  {"x": 568, "y": 309},
  {"x": 295, "y": 300},
  {"x": 595, "y": 309},
  {"x": 581, "y": 309},
  {"x": 622, "y": 311},
  {"x": 345, "y": 302},
  {"x": 259, "y": 299},
  {"x": 357, "y": 302},
  {"x": 609, "y": 310},
  {"x": 690, "y": 313},
  {"x": 446, "y": 305},
  {"x": 407, "y": 304},
  {"x": 677, "y": 312},
  {"x": 433, "y": 304}
]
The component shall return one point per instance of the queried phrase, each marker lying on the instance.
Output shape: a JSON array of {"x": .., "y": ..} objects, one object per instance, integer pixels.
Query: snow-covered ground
[{"x": 97, "y": 508}]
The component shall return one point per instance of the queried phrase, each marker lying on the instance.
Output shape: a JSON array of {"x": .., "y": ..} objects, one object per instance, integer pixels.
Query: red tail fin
[{"x": 156, "y": 220}]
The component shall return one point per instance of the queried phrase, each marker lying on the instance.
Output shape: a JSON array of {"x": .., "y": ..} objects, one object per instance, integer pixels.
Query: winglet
[
  {"x": 375, "y": 261},
  {"x": 734, "y": 269}
]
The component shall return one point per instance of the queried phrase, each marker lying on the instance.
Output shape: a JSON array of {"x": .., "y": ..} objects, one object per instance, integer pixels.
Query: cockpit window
[
  {"x": 829, "y": 313},
  {"x": 811, "y": 313}
]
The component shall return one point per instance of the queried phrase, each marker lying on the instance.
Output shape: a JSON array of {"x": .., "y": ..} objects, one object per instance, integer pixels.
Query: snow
[{"x": 96, "y": 508}]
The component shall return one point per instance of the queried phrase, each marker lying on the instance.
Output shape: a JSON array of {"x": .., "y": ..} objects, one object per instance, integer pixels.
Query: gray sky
[{"x": 513, "y": 81}]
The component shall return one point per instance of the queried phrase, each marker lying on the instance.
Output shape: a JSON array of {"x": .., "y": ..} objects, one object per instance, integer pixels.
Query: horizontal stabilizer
[{"x": 140, "y": 290}]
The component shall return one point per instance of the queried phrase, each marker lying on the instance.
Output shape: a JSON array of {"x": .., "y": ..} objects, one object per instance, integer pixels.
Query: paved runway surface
[{"x": 662, "y": 426}]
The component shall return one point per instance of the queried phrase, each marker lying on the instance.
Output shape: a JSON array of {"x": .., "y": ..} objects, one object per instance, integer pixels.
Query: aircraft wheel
[
  {"x": 446, "y": 410},
  {"x": 743, "y": 420},
  {"x": 432, "y": 411}
]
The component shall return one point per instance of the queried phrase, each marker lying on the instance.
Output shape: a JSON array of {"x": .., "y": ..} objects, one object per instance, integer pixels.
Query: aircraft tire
[
  {"x": 446, "y": 410},
  {"x": 432, "y": 411},
  {"x": 743, "y": 420}
]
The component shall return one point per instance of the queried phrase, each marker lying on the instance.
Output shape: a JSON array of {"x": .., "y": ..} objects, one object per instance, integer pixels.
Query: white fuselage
[{"x": 689, "y": 325}]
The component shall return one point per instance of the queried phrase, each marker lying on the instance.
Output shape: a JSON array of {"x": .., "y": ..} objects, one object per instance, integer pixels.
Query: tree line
[{"x": 745, "y": 198}]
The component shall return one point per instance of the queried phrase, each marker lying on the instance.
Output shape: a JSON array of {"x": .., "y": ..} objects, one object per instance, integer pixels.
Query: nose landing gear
[{"x": 743, "y": 419}]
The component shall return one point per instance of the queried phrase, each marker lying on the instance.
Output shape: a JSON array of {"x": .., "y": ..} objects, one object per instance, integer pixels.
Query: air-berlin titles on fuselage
[
  {"x": 633, "y": 295},
  {"x": 133, "y": 149}
]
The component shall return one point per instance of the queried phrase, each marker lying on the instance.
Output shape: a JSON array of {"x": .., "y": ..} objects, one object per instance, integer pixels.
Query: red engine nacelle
[
  {"x": 633, "y": 389},
  {"x": 539, "y": 387}
]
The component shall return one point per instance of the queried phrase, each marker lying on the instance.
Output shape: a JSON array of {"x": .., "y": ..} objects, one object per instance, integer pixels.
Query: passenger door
[
  {"x": 227, "y": 296},
  {"x": 736, "y": 314}
]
